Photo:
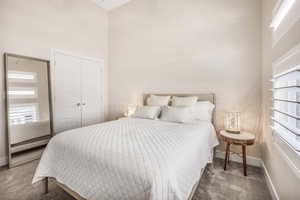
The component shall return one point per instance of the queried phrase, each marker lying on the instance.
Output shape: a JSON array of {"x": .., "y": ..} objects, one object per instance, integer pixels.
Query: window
[
  {"x": 22, "y": 113},
  {"x": 22, "y": 92},
  {"x": 19, "y": 76},
  {"x": 282, "y": 11},
  {"x": 286, "y": 107}
]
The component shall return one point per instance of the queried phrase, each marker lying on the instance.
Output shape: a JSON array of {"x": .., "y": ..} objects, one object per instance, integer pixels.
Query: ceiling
[{"x": 110, "y": 4}]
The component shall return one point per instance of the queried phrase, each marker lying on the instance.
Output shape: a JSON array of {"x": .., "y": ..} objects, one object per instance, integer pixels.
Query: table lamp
[
  {"x": 130, "y": 109},
  {"x": 232, "y": 122}
]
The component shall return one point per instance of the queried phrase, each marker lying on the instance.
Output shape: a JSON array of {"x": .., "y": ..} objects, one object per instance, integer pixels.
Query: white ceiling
[{"x": 110, "y": 4}]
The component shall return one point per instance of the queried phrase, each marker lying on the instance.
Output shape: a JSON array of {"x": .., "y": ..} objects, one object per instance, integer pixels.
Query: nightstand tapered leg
[
  {"x": 227, "y": 155},
  {"x": 46, "y": 185},
  {"x": 228, "y": 159},
  {"x": 244, "y": 160}
]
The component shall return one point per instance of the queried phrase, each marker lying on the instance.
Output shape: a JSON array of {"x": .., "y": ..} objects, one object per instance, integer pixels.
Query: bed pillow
[
  {"x": 155, "y": 100},
  {"x": 202, "y": 110},
  {"x": 184, "y": 101},
  {"x": 147, "y": 112},
  {"x": 176, "y": 114}
]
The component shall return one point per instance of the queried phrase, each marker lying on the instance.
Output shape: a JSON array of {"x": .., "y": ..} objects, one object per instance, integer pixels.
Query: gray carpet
[
  {"x": 217, "y": 184},
  {"x": 15, "y": 184}
]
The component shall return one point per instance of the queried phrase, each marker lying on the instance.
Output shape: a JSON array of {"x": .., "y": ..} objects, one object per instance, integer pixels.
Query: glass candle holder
[{"x": 232, "y": 122}]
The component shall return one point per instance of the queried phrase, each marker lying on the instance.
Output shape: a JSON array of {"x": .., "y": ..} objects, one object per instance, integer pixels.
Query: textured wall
[
  {"x": 188, "y": 46},
  {"x": 33, "y": 27}
]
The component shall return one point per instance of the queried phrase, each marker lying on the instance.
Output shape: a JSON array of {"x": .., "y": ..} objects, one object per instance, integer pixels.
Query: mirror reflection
[{"x": 28, "y": 102}]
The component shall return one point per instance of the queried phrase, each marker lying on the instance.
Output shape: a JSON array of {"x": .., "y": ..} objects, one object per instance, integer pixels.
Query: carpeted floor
[{"x": 216, "y": 184}]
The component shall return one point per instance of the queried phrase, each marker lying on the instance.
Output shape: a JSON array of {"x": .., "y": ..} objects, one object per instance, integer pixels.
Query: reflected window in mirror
[
  {"x": 23, "y": 113},
  {"x": 28, "y": 105},
  {"x": 20, "y": 76}
]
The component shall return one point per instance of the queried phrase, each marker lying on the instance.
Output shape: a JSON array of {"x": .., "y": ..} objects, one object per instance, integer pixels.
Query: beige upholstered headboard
[{"x": 201, "y": 97}]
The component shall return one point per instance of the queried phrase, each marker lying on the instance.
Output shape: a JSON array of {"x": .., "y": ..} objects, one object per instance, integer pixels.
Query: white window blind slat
[
  {"x": 22, "y": 113},
  {"x": 292, "y": 139},
  {"x": 22, "y": 92},
  {"x": 21, "y": 76},
  {"x": 286, "y": 107}
]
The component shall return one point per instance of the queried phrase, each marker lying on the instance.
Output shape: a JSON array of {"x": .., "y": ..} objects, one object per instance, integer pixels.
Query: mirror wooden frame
[{"x": 7, "y": 129}]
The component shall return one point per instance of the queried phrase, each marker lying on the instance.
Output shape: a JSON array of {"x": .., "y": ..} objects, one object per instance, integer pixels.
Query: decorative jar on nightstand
[{"x": 244, "y": 139}]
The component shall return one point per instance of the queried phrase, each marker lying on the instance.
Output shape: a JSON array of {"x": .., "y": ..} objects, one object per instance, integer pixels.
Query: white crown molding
[{"x": 110, "y": 4}]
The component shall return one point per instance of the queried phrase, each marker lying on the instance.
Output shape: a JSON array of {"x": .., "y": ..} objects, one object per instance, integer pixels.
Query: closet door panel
[
  {"x": 92, "y": 92},
  {"x": 67, "y": 96}
]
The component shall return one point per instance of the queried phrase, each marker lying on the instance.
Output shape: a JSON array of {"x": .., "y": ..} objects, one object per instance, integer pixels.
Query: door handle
[
  {"x": 83, "y": 104},
  {"x": 78, "y": 104}
]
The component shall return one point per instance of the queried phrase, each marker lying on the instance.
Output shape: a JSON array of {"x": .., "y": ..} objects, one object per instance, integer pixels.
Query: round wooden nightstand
[{"x": 243, "y": 139}]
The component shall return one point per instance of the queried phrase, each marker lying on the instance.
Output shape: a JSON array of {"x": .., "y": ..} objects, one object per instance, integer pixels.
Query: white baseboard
[
  {"x": 269, "y": 182},
  {"x": 253, "y": 161},
  {"x": 3, "y": 161}
]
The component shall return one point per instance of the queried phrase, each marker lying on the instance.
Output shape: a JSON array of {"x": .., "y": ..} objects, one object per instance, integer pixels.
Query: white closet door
[
  {"x": 92, "y": 92},
  {"x": 67, "y": 96}
]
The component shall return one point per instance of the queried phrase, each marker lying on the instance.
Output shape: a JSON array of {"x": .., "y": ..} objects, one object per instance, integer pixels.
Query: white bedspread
[{"x": 129, "y": 159}]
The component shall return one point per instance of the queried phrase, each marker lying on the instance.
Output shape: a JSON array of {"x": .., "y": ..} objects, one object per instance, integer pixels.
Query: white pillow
[
  {"x": 184, "y": 101},
  {"x": 154, "y": 100},
  {"x": 176, "y": 114},
  {"x": 147, "y": 112},
  {"x": 202, "y": 110}
]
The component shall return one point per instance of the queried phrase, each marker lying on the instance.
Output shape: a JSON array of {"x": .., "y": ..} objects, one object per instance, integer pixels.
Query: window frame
[
  {"x": 287, "y": 130},
  {"x": 280, "y": 11}
]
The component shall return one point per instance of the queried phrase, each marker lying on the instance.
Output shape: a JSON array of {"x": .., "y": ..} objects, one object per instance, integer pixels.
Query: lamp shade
[
  {"x": 129, "y": 110},
  {"x": 232, "y": 122}
]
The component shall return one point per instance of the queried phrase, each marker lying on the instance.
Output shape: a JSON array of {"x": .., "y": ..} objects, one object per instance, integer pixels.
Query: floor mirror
[{"x": 28, "y": 107}]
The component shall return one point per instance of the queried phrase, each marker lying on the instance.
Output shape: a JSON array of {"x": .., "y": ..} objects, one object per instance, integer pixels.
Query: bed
[{"x": 129, "y": 158}]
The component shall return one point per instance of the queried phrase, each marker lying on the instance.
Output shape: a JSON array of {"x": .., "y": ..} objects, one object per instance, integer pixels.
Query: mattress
[{"x": 130, "y": 159}]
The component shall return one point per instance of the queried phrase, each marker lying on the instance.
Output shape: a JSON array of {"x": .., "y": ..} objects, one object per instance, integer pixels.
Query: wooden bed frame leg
[
  {"x": 213, "y": 158},
  {"x": 46, "y": 185}
]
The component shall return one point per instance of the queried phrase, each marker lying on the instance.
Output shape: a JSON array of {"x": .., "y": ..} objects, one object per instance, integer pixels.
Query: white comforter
[{"x": 130, "y": 159}]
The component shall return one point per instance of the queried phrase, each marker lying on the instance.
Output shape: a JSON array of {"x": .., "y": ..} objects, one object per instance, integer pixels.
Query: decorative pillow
[
  {"x": 147, "y": 112},
  {"x": 184, "y": 101},
  {"x": 155, "y": 100},
  {"x": 202, "y": 110},
  {"x": 176, "y": 114}
]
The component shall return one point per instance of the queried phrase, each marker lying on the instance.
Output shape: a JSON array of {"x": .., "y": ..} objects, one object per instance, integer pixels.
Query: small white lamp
[
  {"x": 130, "y": 109},
  {"x": 232, "y": 122}
]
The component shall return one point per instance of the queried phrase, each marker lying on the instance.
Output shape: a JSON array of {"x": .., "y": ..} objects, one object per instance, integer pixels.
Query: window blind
[
  {"x": 22, "y": 113},
  {"x": 20, "y": 76},
  {"x": 22, "y": 93},
  {"x": 286, "y": 107}
]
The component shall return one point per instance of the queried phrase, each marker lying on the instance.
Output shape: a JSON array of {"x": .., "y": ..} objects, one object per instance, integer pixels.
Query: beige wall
[
  {"x": 188, "y": 46},
  {"x": 33, "y": 27},
  {"x": 166, "y": 46},
  {"x": 274, "y": 152}
]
